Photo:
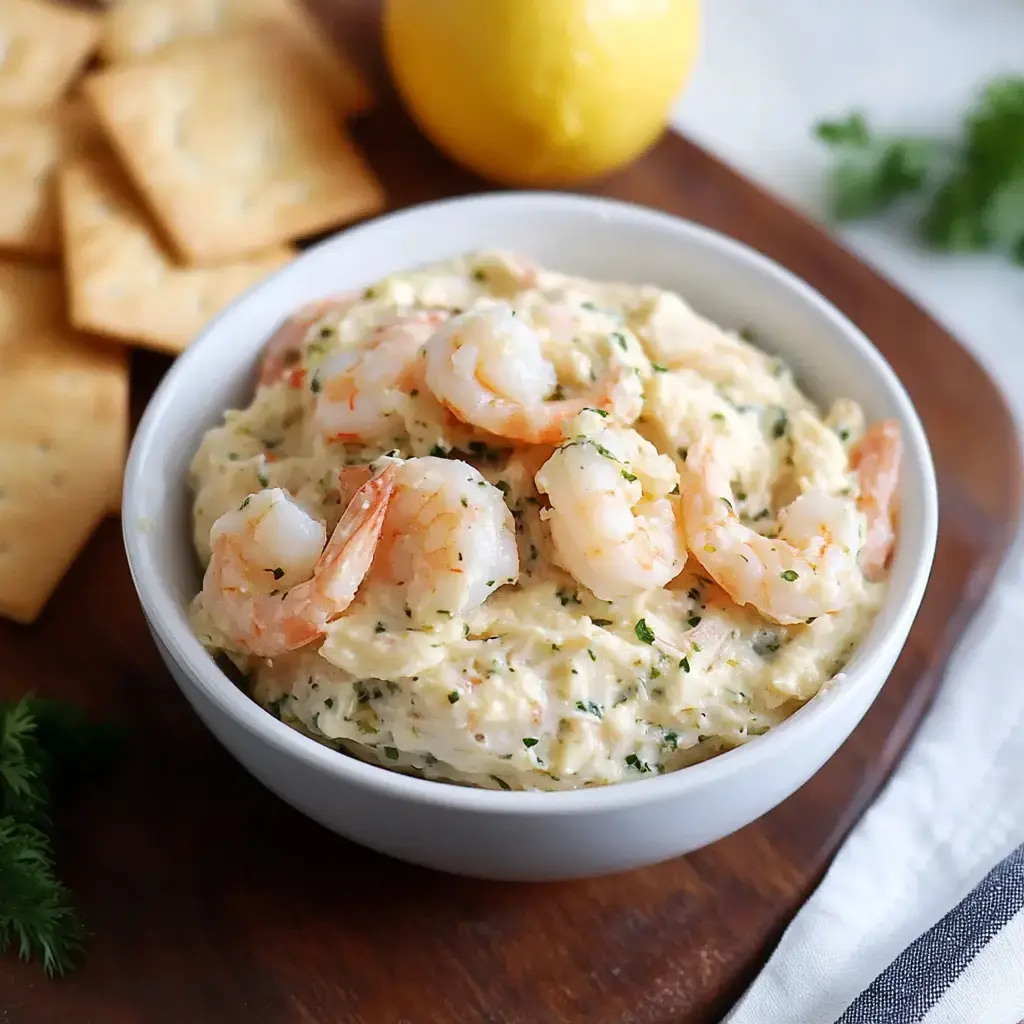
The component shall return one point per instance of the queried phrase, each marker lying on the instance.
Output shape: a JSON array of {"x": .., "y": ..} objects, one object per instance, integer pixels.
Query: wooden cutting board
[{"x": 209, "y": 900}]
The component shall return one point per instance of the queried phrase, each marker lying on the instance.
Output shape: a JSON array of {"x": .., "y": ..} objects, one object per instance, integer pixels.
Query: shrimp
[
  {"x": 448, "y": 537},
  {"x": 809, "y": 570},
  {"x": 284, "y": 348},
  {"x": 876, "y": 461},
  {"x": 613, "y": 525},
  {"x": 362, "y": 388},
  {"x": 262, "y": 550},
  {"x": 488, "y": 369}
]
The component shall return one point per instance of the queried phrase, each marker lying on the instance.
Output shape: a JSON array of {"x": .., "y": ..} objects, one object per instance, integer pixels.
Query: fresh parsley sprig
[
  {"x": 44, "y": 745},
  {"x": 971, "y": 194}
]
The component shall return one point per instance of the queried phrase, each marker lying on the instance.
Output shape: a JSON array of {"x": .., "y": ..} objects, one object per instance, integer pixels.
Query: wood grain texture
[{"x": 211, "y": 901}]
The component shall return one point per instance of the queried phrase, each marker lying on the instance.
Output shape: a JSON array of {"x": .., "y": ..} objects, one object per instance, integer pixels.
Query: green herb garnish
[
  {"x": 971, "y": 191},
  {"x": 644, "y": 632},
  {"x": 45, "y": 745}
]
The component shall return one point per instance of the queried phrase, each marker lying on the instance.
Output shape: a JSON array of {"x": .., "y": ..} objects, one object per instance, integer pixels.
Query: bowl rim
[{"x": 202, "y": 673}]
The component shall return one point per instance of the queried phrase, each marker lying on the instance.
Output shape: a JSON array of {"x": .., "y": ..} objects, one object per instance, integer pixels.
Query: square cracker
[
  {"x": 121, "y": 280},
  {"x": 63, "y": 436},
  {"x": 135, "y": 29},
  {"x": 44, "y": 45},
  {"x": 234, "y": 144},
  {"x": 31, "y": 146}
]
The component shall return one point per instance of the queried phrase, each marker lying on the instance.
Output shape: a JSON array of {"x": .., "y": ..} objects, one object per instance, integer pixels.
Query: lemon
[{"x": 540, "y": 92}]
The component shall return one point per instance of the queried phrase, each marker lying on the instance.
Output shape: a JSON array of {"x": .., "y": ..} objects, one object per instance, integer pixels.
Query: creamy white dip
[{"x": 545, "y": 685}]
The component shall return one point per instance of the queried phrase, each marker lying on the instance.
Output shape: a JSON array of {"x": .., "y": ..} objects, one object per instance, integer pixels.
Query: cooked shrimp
[
  {"x": 487, "y": 368},
  {"x": 876, "y": 461},
  {"x": 271, "y": 586},
  {"x": 449, "y": 538},
  {"x": 807, "y": 571},
  {"x": 360, "y": 389},
  {"x": 613, "y": 525},
  {"x": 284, "y": 348}
]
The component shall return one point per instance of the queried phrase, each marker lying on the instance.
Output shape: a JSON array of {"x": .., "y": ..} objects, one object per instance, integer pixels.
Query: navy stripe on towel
[{"x": 915, "y": 981}]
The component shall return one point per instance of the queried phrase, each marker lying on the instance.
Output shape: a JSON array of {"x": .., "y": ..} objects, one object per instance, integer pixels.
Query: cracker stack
[{"x": 167, "y": 180}]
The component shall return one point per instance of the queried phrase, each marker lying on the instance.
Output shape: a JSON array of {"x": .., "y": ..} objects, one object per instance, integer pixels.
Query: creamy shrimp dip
[{"x": 491, "y": 524}]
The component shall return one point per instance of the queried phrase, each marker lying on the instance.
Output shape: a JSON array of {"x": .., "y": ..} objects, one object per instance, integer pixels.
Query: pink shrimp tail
[
  {"x": 307, "y": 609},
  {"x": 876, "y": 461}
]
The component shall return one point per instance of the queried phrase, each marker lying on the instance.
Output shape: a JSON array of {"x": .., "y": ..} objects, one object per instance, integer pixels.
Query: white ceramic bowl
[{"x": 491, "y": 833}]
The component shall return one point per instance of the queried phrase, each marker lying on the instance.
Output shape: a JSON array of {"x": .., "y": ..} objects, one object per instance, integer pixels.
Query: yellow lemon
[{"x": 540, "y": 92}]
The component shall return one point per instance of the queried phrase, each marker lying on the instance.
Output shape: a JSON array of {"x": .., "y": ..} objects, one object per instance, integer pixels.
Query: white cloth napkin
[{"x": 953, "y": 809}]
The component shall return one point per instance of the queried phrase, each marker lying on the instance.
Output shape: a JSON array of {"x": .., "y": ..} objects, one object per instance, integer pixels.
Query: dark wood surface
[{"x": 211, "y": 901}]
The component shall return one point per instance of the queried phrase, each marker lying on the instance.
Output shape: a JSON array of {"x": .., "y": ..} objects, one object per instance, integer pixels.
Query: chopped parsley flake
[
  {"x": 314, "y": 384},
  {"x": 439, "y": 452},
  {"x": 684, "y": 664},
  {"x": 671, "y": 740},
  {"x": 391, "y": 753},
  {"x": 276, "y": 573},
  {"x": 789, "y": 576},
  {"x": 453, "y": 697},
  {"x": 634, "y": 762},
  {"x": 328, "y": 702},
  {"x": 502, "y": 784},
  {"x": 601, "y": 622},
  {"x": 693, "y": 621},
  {"x": 658, "y": 368},
  {"x": 644, "y": 632},
  {"x": 530, "y": 741},
  {"x": 619, "y": 339},
  {"x": 781, "y": 425},
  {"x": 380, "y": 628},
  {"x": 627, "y": 476},
  {"x": 244, "y": 503},
  {"x": 590, "y": 708},
  {"x": 593, "y": 656},
  {"x": 600, "y": 412}
]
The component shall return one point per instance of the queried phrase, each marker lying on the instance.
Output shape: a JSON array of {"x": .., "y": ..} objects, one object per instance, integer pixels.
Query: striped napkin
[{"x": 921, "y": 916}]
